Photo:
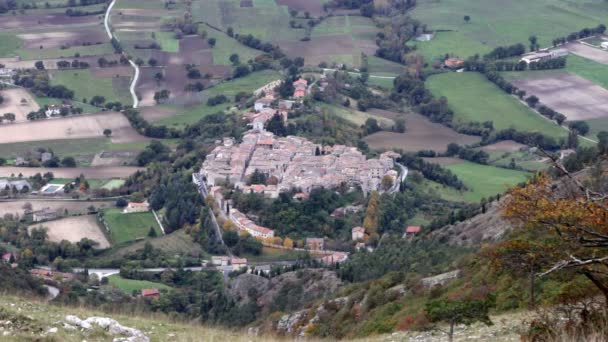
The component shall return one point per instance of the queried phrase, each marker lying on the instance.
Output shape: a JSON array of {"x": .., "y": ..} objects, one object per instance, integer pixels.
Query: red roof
[
  {"x": 150, "y": 292},
  {"x": 413, "y": 229},
  {"x": 301, "y": 81},
  {"x": 359, "y": 229},
  {"x": 453, "y": 62},
  {"x": 7, "y": 256},
  {"x": 299, "y": 93},
  {"x": 301, "y": 195}
]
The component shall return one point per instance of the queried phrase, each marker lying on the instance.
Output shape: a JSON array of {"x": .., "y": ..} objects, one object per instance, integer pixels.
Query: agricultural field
[
  {"x": 9, "y": 43},
  {"x": 357, "y": 117},
  {"x": 19, "y": 102},
  {"x": 420, "y": 134},
  {"x": 129, "y": 227},
  {"x": 475, "y": 99},
  {"x": 129, "y": 286},
  {"x": 74, "y": 229},
  {"x": 72, "y": 207},
  {"x": 585, "y": 51},
  {"x": 498, "y": 23},
  {"x": 175, "y": 243},
  {"x": 72, "y": 127},
  {"x": 73, "y": 172},
  {"x": 453, "y": 43},
  {"x": 85, "y": 85}
]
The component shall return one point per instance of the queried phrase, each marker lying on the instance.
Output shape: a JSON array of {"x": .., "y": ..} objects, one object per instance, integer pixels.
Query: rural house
[
  {"x": 238, "y": 263},
  {"x": 300, "y": 88},
  {"x": 150, "y": 293},
  {"x": 134, "y": 207},
  {"x": 262, "y": 103},
  {"x": 425, "y": 37},
  {"x": 453, "y": 63},
  {"x": 315, "y": 244},
  {"x": 6, "y": 257},
  {"x": 220, "y": 260},
  {"x": 334, "y": 258},
  {"x": 358, "y": 233},
  {"x": 412, "y": 231}
]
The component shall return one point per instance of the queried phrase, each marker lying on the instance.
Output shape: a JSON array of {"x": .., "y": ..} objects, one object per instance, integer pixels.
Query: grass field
[
  {"x": 356, "y": 117},
  {"x": 139, "y": 4},
  {"x": 85, "y": 86},
  {"x": 484, "y": 180},
  {"x": 129, "y": 227},
  {"x": 597, "y": 125},
  {"x": 113, "y": 184},
  {"x": 473, "y": 98},
  {"x": 67, "y": 147},
  {"x": 273, "y": 254},
  {"x": 91, "y": 50},
  {"x": 167, "y": 41},
  {"x": 130, "y": 285},
  {"x": 9, "y": 43},
  {"x": 497, "y": 22},
  {"x": 226, "y": 46},
  {"x": 453, "y": 43}
]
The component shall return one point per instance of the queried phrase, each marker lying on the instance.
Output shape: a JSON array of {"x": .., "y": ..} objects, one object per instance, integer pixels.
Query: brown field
[
  {"x": 12, "y": 103},
  {"x": 103, "y": 172},
  {"x": 314, "y": 7},
  {"x": 420, "y": 134},
  {"x": 503, "y": 146},
  {"x": 571, "y": 95},
  {"x": 75, "y": 229},
  {"x": 156, "y": 113},
  {"x": 46, "y": 20},
  {"x": 594, "y": 54},
  {"x": 444, "y": 161},
  {"x": 73, "y": 207},
  {"x": 63, "y": 38},
  {"x": 72, "y": 127}
]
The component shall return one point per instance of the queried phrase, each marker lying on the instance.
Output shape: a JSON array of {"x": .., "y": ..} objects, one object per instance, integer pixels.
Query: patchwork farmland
[{"x": 74, "y": 229}]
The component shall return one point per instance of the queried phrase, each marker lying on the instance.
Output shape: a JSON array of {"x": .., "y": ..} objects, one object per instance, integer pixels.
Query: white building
[
  {"x": 544, "y": 55},
  {"x": 358, "y": 233},
  {"x": 604, "y": 45}
]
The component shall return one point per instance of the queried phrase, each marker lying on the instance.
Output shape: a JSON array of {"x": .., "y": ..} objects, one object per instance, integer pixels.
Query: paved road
[
  {"x": 106, "y": 22},
  {"x": 202, "y": 189}
]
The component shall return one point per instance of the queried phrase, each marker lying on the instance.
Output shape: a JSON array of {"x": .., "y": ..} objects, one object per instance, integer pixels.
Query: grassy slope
[
  {"x": 129, "y": 227},
  {"x": 86, "y": 86},
  {"x": 130, "y": 285},
  {"x": 485, "y": 180},
  {"x": 167, "y": 41},
  {"x": 453, "y": 43},
  {"x": 356, "y": 117},
  {"x": 157, "y": 327},
  {"x": 91, "y": 50},
  {"x": 473, "y": 98},
  {"x": 9, "y": 43},
  {"x": 497, "y": 22},
  {"x": 226, "y": 46}
]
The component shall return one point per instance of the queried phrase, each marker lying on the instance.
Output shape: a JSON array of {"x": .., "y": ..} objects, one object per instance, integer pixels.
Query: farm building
[
  {"x": 544, "y": 55},
  {"x": 604, "y": 45},
  {"x": 44, "y": 215},
  {"x": 150, "y": 293},
  {"x": 300, "y": 88},
  {"x": 220, "y": 260},
  {"x": 238, "y": 263},
  {"x": 358, "y": 233},
  {"x": 411, "y": 231},
  {"x": 453, "y": 63},
  {"x": 134, "y": 207},
  {"x": 425, "y": 37},
  {"x": 335, "y": 258}
]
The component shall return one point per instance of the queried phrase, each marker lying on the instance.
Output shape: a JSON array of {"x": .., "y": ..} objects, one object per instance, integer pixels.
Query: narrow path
[
  {"x": 358, "y": 74},
  {"x": 159, "y": 223},
  {"x": 106, "y": 22}
]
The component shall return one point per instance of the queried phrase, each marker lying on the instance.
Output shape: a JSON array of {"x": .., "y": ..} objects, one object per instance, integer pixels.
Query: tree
[
  {"x": 97, "y": 100},
  {"x": 459, "y": 312},
  {"x": 533, "y": 43},
  {"x": 231, "y": 238},
  {"x": 400, "y": 125},
  {"x": 107, "y": 132},
  {"x": 230, "y": 32},
  {"x": 121, "y": 203},
  {"x": 211, "y": 42},
  {"x": 370, "y": 222},
  {"x": 68, "y": 162},
  {"x": 467, "y": 19},
  {"x": 387, "y": 183},
  {"x": 9, "y": 117},
  {"x": 532, "y": 101},
  {"x": 152, "y": 62},
  {"x": 39, "y": 65},
  {"x": 288, "y": 243},
  {"x": 152, "y": 232},
  {"x": 602, "y": 143},
  {"x": 580, "y": 126},
  {"x": 234, "y": 59}
]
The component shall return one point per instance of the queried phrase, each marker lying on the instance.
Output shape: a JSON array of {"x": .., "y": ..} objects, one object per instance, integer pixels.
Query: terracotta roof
[
  {"x": 359, "y": 229},
  {"x": 238, "y": 261},
  {"x": 150, "y": 292},
  {"x": 413, "y": 229},
  {"x": 453, "y": 62}
]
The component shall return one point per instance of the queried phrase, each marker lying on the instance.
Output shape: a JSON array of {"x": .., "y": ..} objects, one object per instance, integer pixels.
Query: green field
[
  {"x": 484, "y": 180},
  {"x": 455, "y": 44},
  {"x": 473, "y": 98},
  {"x": 76, "y": 148},
  {"x": 273, "y": 254},
  {"x": 583, "y": 67},
  {"x": 498, "y": 23},
  {"x": 91, "y": 50},
  {"x": 85, "y": 86},
  {"x": 113, "y": 184},
  {"x": 139, "y": 4},
  {"x": 129, "y": 227},
  {"x": 9, "y": 43},
  {"x": 265, "y": 20},
  {"x": 226, "y": 46},
  {"x": 47, "y": 101},
  {"x": 355, "y": 116},
  {"x": 167, "y": 41},
  {"x": 597, "y": 125},
  {"x": 130, "y": 285}
]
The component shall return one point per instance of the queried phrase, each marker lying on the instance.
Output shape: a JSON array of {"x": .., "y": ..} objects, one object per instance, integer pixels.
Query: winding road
[{"x": 106, "y": 22}]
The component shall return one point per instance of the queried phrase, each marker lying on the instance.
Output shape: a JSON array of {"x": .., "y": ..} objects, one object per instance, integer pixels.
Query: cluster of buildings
[
  {"x": 236, "y": 264},
  {"x": 19, "y": 185},
  {"x": 293, "y": 162},
  {"x": 244, "y": 223},
  {"x": 544, "y": 55}
]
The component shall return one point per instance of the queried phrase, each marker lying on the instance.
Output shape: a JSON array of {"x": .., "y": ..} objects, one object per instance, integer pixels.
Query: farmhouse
[
  {"x": 220, "y": 260},
  {"x": 262, "y": 103},
  {"x": 425, "y": 37},
  {"x": 411, "y": 231},
  {"x": 453, "y": 63},
  {"x": 44, "y": 215},
  {"x": 300, "y": 88},
  {"x": 545, "y": 55},
  {"x": 358, "y": 233},
  {"x": 150, "y": 293},
  {"x": 295, "y": 162},
  {"x": 238, "y": 263},
  {"x": 134, "y": 207},
  {"x": 334, "y": 258},
  {"x": 315, "y": 244}
]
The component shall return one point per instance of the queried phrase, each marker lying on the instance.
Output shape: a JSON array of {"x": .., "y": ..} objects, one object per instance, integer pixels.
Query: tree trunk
[
  {"x": 451, "y": 334},
  {"x": 532, "y": 303},
  {"x": 598, "y": 283}
]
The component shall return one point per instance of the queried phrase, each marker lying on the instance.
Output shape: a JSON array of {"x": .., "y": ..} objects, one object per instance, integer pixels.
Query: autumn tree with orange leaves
[{"x": 570, "y": 221}]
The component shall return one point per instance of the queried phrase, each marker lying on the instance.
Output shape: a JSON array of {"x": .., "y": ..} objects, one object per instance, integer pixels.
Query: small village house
[
  {"x": 220, "y": 260},
  {"x": 238, "y": 263},
  {"x": 358, "y": 233},
  {"x": 301, "y": 196},
  {"x": 134, "y": 207},
  {"x": 150, "y": 293},
  {"x": 300, "y": 88},
  {"x": 412, "y": 231},
  {"x": 334, "y": 258},
  {"x": 453, "y": 63},
  {"x": 315, "y": 244}
]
